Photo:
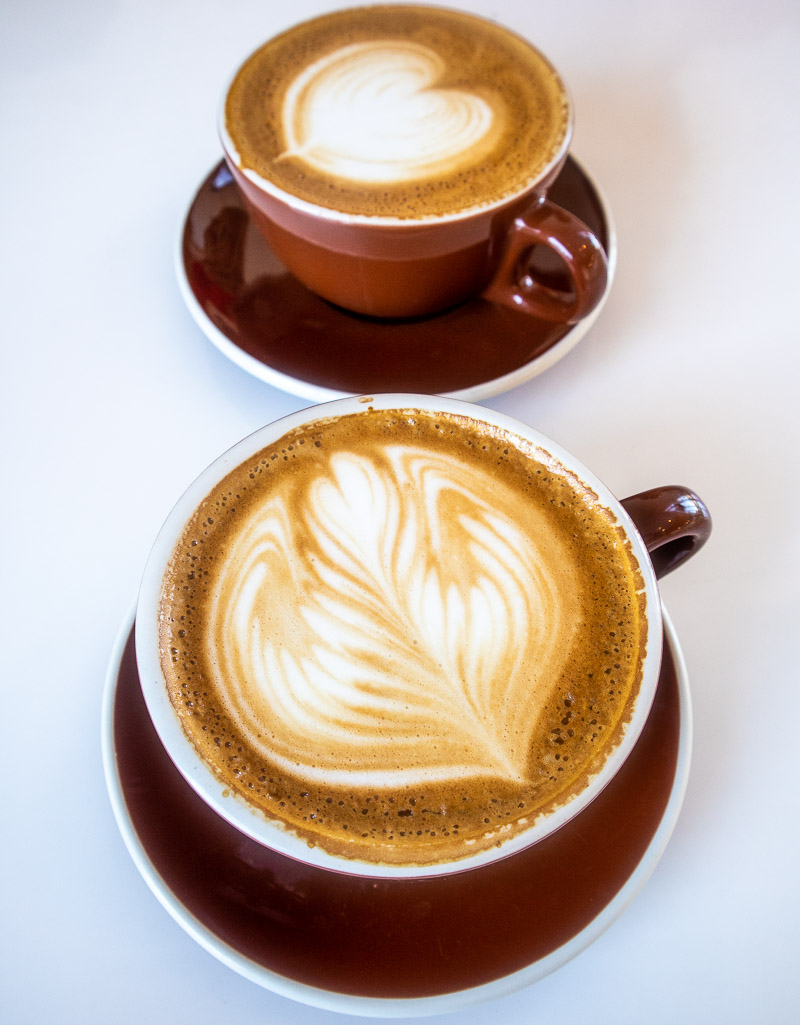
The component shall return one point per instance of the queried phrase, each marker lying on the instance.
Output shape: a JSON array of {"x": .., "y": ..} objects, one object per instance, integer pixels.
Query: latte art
[
  {"x": 397, "y": 112},
  {"x": 372, "y": 112},
  {"x": 393, "y": 634},
  {"x": 403, "y": 636}
]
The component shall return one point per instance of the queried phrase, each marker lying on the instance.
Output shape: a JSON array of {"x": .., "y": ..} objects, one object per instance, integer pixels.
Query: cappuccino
[
  {"x": 398, "y": 112},
  {"x": 403, "y": 635}
]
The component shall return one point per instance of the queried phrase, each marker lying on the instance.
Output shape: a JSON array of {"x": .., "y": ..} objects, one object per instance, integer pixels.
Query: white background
[{"x": 112, "y": 401}]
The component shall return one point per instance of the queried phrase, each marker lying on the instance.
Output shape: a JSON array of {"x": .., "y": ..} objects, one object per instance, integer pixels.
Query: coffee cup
[
  {"x": 405, "y": 636},
  {"x": 397, "y": 159}
]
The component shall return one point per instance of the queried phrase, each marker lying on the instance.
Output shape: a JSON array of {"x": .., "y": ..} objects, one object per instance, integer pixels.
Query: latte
[
  {"x": 403, "y": 635},
  {"x": 399, "y": 112}
]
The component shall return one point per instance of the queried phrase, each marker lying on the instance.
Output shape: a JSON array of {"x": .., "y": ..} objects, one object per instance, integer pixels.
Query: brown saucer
[
  {"x": 261, "y": 317},
  {"x": 282, "y": 923}
]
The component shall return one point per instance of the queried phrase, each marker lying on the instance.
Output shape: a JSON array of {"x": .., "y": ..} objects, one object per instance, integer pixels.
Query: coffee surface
[
  {"x": 403, "y": 635},
  {"x": 398, "y": 111}
]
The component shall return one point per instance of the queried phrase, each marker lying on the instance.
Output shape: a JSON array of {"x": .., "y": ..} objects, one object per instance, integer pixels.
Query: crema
[
  {"x": 402, "y": 635},
  {"x": 398, "y": 111}
]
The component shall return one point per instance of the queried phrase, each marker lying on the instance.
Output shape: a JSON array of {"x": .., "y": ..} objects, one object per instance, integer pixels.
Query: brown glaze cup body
[
  {"x": 415, "y": 269},
  {"x": 394, "y": 267}
]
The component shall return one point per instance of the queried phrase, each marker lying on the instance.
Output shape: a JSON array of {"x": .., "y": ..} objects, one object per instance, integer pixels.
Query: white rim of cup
[
  {"x": 410, "y": 224},
  {"x": 250, "y": 820}
]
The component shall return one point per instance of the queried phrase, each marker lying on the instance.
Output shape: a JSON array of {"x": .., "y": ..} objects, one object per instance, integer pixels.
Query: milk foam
[
  {"x": 401, "y": 630},
  {"x": 372, "y": 112},
  {"x": 397, "y": 111},
  {"x": 402, "y": 635}
]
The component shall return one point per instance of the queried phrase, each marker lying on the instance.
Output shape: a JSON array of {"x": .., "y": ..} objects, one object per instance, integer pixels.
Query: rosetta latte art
[
  {"x": 372, "y": 112},
  {"x": 382, "y": 623}
]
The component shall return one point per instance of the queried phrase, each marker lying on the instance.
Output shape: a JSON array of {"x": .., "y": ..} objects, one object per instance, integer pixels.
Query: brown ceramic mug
[
  {"x": 397, "y": 160},
  {"x": 401, "y": 636}
]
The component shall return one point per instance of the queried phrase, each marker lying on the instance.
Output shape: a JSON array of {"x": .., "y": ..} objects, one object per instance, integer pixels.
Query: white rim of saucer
[
  {"x": 319, "y": 393},
  {"x": 395, "y": 1007}
]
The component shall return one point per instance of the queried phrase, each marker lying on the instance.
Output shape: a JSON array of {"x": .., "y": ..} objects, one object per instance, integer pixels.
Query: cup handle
[
  {"x": 545, "y": 224},
  {"x": 674, "y": 523}
]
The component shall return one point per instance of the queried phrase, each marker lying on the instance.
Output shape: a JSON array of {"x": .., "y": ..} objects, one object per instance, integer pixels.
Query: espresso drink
[
  {"x": 403, "y": 635},
  {"x": 398, "y": 111}
]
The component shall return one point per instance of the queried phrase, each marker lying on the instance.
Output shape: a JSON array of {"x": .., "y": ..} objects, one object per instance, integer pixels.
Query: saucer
[
  {"x": 258, "y": 315},
  {"x": 395, "y": 947}
]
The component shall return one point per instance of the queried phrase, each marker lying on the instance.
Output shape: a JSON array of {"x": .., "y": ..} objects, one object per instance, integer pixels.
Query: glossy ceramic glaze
[{"x": 275, "y": 328}]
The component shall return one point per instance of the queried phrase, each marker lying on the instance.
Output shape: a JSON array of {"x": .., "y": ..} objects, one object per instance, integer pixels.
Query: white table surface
[{"x": 112, "y": 400}]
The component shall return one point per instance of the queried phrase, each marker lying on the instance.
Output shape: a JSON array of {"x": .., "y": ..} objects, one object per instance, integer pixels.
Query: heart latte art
[
  {"x": 397, "y": 112},
  {"x": 400, "y": 634},
  {"x": 372, "y": 112},
  {"x": 390, "y": 631}
]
